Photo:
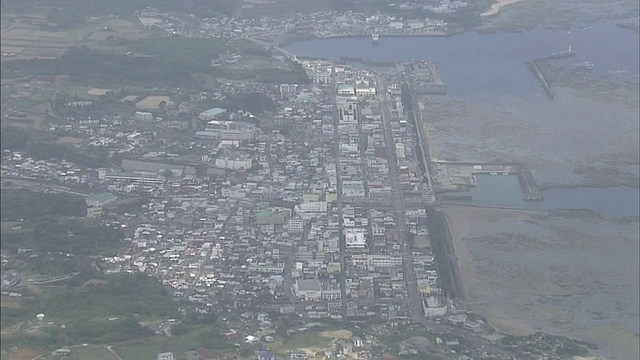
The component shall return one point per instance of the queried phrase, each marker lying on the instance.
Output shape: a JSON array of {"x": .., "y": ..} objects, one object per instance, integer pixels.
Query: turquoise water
[{"x": 505, "y": 191}]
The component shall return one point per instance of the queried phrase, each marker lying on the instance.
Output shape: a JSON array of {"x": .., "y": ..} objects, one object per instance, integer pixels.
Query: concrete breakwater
[
  {"x": 366, "y": 61},
  {"x": 535, "y": 69},
  {"x": 529, "y": 187}
]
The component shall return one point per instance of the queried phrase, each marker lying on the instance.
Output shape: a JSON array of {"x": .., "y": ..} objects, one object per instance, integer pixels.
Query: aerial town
[{"x": 316, "y": 212}]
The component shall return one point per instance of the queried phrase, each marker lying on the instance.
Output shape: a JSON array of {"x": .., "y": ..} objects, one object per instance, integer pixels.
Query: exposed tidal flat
[
  {"x": 565, "y": 273},
  {"x": 570, "y": 267}
]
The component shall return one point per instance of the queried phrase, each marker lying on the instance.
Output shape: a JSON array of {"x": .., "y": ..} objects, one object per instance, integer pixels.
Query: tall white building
[{"x": 400, "y": 150}]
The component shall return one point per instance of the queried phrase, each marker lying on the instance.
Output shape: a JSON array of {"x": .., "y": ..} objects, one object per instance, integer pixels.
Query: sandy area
[
  {"x": 497, "y": 6},
  {"x": 337, "y": 335},
  {"x": 97, "y": 92},
  {"x": 24, "y": 354},
  {"x": 152, "y": 102},
  {"x": 129, "y": 98}
]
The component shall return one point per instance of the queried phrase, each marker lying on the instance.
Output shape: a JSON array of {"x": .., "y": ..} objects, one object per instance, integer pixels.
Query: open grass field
[
  {"x": 152, "y": 102},
  {"x": 81, "y": 92},
  {"x": 10, "y": 303},
  {"x": 146, "y": 350},
  {"x": 93, "y": 353},
  {"x": 204, "y": 336},
  {"x": 310, "y": 342}
]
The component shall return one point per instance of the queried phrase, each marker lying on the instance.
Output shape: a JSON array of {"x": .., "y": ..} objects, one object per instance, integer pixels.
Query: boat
[{"x": 375, "y": 37}]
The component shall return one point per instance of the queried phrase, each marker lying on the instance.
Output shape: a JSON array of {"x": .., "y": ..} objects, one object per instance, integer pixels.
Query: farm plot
[
  {"x": 27, "y": 40},
  {"x": 152, "y": 102}
]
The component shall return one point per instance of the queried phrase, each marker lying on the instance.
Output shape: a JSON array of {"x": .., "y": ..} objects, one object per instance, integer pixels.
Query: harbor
[
  {"x": 424, "y": 77},
  {"x": 451, "y": 178}
]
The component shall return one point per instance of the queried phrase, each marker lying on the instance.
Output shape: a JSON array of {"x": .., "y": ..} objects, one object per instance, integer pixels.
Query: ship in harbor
[
  {"x": 563, "y": 54},
  {"x": 375, "y": 37}
]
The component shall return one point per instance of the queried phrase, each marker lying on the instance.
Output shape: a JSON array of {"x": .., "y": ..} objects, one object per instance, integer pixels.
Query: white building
[
  {"x": 311, "y": 209},
  {"x": 322, "y": 76},
  {"x": 433, "y": 307},
  {"x": 346, "y": 90},
  {"x": 296, "y": 225},
  {"x": 165, "y": 356},
  {"x": 400, "y": 150},
  {"x": 212, "y": 114},
  {"x": 355, "y": 239},
  {"x": 234, "y": 164},
  {"x": 143, "y": 116},
  {"x": 135, "y": 178},
  {"x": 365, "y": 91},
  {"x": 373, "y": 261},
  {"x": 228, "y": 130}
]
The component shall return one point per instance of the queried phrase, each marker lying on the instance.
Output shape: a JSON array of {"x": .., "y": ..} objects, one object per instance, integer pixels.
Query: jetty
[
  {"x": 529, "y": 187},
  {"x": 535, "y": 69},
  {"x": 563, "y": 54}
]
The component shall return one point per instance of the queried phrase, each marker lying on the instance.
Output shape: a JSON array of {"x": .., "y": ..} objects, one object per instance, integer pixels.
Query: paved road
[
  {"x": 288, "y": 280},
  {"x": 207, "y": 258},
  {"x": 339, "y": 201},
  {"x": 414, "y": 298}
]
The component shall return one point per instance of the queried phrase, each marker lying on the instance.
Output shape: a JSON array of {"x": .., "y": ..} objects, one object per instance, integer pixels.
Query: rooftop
[
  {"x": 309, "y": 285},
  {"x": 214, "y": 112}
]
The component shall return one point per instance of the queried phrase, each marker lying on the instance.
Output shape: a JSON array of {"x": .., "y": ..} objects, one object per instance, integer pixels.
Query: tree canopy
[{"x": 18, "y": 204}]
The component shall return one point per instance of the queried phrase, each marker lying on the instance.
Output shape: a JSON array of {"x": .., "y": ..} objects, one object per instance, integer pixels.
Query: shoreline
[
  {"x": 304, "y": 37},
  {"x": 498, "y": 6}
]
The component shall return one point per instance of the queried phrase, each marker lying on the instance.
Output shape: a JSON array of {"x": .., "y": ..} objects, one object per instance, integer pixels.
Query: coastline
[
  {"x": 304, "y": 37},
  {"x": 497, "y": 6}
]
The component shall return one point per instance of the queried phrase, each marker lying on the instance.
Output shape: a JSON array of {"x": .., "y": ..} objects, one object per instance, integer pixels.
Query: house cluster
[
  {"x": 321, "y": 24},
  {"x": 20, "y": 166}
]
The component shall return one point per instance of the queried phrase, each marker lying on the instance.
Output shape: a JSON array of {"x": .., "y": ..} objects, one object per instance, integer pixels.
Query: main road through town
[
  {"x": 336, "y": 150},
  {"x": 414, "y": 298}
]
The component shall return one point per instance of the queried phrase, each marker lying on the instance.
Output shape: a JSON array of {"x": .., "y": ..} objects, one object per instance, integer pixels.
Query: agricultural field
[
  {"x": 28, "y": 37},
  {"x": 92, "y": 352},
  {"x": 23, "y": 354},
  {"x": 152, "y": 102}
]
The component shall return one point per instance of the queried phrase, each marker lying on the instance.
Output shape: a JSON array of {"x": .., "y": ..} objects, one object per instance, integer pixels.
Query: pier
[
  {"x": 535, "y": 69},
  {"x": 529, "y": 187}
]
